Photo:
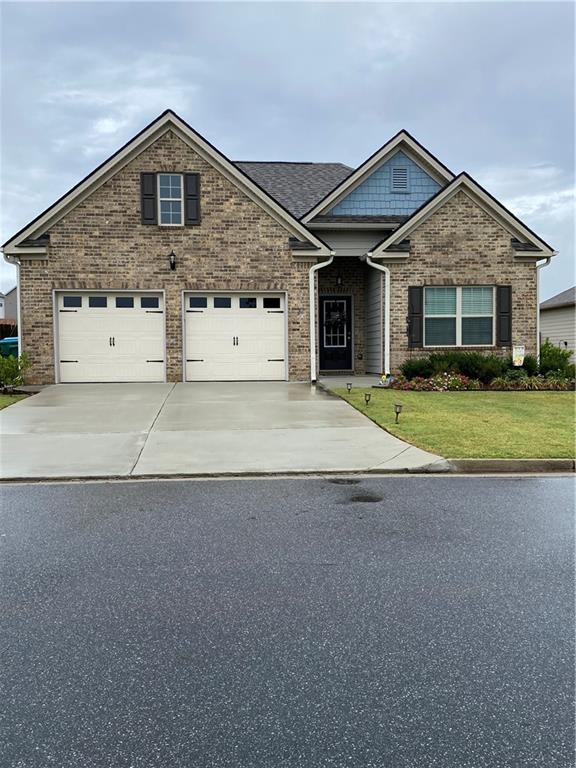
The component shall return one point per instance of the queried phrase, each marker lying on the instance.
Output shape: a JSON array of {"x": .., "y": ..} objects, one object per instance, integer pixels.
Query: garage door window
[
  {"x": 72, "y": 301},
  {"x": 198, "y": 302},
  {"x": 124, "y": 302},
  {"x": 222, "y": 302},
  {"x": 271, "y": 302},
  {"x": 248, "y": 302},
  {"x": 149, "y": 302},
  {"x": 96, "y": 302}
]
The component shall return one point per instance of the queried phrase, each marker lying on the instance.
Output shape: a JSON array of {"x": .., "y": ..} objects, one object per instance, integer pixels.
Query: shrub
[
  {"x": 554, "y": 358},
  {"x": 12, "y": 371},
  {"x": 515, "y": 374},
  {"x": 443, "y": 382},
  {"x": 419, "y": 366}
]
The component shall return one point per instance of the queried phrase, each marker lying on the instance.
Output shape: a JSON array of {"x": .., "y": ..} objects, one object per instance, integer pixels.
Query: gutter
[
  {"x": 367, "y": 257},
  {"x": 545, "y": 263},
  {"x": 312, "y": 292}
]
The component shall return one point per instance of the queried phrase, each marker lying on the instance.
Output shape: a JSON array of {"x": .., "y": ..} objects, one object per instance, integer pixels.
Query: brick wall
[
  {"x": 462, "y": 245},
  {"x": 101, "y": 244}
]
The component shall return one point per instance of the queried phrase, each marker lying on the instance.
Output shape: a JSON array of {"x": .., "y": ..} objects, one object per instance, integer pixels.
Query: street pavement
[{"x": 397, "y": 622}]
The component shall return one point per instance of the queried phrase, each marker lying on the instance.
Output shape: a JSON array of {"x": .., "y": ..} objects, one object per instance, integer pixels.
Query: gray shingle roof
[
  {"x": 297, "y": 186},
  {"x": 565, "y": 299}
]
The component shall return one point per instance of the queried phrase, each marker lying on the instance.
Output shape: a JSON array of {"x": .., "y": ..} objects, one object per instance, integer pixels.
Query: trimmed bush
[
  {"x": 553, "y": 358},
  {"x": 419, "y": 366},
  {"x": 473, "y": 365}
]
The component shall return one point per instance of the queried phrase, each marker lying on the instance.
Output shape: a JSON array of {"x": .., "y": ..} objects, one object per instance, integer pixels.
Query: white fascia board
[
  {"x": 164, "y": 123},
  {"x": 401, "y": 141},
  {"x": 479, "y": 196}
]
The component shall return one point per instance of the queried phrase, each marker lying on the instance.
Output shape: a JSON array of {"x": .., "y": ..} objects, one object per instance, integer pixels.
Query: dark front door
[{"x": 335, "y": 333}]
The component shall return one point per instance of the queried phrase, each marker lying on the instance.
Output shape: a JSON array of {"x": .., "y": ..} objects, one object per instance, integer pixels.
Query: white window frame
[
  {"x": 170, "y": 200},
  {"x": 458, "y": 316}
]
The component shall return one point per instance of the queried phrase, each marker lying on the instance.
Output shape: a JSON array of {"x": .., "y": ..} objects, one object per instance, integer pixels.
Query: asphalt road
[{"x": 391, "y": 623}]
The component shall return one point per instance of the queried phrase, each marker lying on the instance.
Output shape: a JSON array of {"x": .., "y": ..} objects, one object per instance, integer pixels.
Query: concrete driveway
[{"x": 122, "y": 430}]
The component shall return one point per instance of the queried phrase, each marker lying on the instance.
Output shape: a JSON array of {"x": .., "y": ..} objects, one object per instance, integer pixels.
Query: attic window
[{"x": 400, "y": 179}]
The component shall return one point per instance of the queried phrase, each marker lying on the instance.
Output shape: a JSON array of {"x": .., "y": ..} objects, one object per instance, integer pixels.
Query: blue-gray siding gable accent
[{"x": 374, "y": 196}]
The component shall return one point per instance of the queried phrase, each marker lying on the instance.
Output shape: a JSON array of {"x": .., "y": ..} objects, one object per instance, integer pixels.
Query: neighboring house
[
  {"x": 171, "y": 262},
  {"x": 558, "y": 320},
  {"x": 2, "y": 305},
  {"x": 11, "y": 305}
]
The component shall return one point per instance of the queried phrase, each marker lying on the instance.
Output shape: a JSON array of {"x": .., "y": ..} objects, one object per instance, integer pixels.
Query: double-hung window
[
  {"x": 459, "y": 317},
  {"x": 170, "y": 199}
]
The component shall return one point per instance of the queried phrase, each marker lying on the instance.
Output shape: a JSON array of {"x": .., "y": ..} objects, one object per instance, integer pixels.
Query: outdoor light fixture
[
  {"x": 367, "y": 397},
  {"x": 172, "y": 260},
  {"x": 338, "y": 279},
  {"x": 397, "y": 410},
  {"x": 349, "y": 387}
]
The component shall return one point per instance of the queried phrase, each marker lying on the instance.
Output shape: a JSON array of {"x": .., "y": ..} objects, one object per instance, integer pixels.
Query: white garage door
[
  {"x": 235, "y": 337},
  {"x": 110, "y": 336}
]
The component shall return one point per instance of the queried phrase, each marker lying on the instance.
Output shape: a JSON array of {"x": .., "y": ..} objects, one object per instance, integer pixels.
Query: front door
[{"x": 335, "y": 333}]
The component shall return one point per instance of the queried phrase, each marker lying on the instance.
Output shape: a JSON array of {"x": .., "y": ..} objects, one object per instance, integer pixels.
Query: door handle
[{"x": 110, "y": 340}]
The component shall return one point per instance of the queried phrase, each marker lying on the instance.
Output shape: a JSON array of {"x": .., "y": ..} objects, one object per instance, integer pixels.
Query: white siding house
[{"x": 558, "y": 320}]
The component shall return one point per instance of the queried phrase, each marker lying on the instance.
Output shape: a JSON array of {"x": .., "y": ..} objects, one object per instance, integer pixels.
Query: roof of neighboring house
[
  {"x": 565, "y": 299},
  {"x": 297, "y": 186}
]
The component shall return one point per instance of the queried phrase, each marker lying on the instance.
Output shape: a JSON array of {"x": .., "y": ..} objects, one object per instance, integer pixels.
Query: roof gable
[
  {"x": 464, "y": 182},
  {"x": 566, "y": 298},
  {"x": 403, "y": 141},
  {"x": 168, "y": 120},
  {"x": 375, "y": 196}
]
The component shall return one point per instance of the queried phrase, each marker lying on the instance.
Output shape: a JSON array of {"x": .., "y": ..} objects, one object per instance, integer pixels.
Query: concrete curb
[{"x": 515, "y": 466}]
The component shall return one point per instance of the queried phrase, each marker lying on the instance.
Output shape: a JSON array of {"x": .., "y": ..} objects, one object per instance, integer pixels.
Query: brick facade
[
  {"x": 102, "y": 244},
  {"x": 461, "y": 244}
]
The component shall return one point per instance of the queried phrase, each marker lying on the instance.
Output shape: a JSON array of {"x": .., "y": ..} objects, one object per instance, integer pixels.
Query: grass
[
  {"x": 519, "y": 425},
  {"x": 6, "y": 400}
]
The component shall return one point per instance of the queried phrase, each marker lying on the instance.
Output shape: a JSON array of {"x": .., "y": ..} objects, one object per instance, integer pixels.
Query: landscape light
[
  {"x": 367, "y": 397},
  {"x": 397, "y": 410}
]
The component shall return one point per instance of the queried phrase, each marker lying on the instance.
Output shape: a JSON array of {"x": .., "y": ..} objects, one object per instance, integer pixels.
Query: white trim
[
  {"x": 475, "y": 192},
  {"x": 166, "y": 122},
  {"x": 386, "y": 271},
  {"x": 402, "y": 141},
  {"x": 538, "y": 307}
]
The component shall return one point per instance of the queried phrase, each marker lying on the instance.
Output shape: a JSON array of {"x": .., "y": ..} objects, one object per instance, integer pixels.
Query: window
[
  {"x": 400, "y": 179},
  {"x": 271, "y": 302},
  {"x": 455, "y": 317},
  {"x": 97, "y": 301},
  {"x": 198, "y": 302},
  {"x": 124, "y": 302},
  {"x": 170, "y": 199},
  {"x": 248, "y": 303},
  {"x": 72, "y": 301},
  {"x": 222, "y": 302},
  {"x": 149, "y": 302}
]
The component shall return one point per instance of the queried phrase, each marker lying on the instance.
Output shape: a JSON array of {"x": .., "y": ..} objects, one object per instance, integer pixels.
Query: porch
[{"x": 350, "y": 319}]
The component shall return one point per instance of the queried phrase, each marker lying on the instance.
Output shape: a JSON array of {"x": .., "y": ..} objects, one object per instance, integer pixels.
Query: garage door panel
[
  {"x": 236, "y": 342},
  {"x": 111, "y": 343}
]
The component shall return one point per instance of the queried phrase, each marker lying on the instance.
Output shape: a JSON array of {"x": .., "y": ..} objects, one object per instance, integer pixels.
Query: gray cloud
[{"x": 488, "y": 87}]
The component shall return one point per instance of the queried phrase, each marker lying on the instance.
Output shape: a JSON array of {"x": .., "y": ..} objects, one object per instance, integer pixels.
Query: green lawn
[
  {"x": 519, "y": 425},
  {"x": 6, "y": 400}
]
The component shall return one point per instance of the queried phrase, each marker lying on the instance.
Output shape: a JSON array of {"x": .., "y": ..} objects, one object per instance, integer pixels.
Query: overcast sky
[{"x": 487, "y": 87}]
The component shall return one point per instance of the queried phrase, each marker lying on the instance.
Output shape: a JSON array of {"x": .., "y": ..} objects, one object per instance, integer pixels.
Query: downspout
[
  {"x": 312, "y": 291},
  {"x": 538, "y": 268},
  {"x": 14, "y": 260},
  {"x": 367, "y": 258}
]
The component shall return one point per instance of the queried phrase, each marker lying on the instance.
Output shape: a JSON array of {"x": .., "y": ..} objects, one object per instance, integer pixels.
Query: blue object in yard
[{"x": 9, "y": 346}]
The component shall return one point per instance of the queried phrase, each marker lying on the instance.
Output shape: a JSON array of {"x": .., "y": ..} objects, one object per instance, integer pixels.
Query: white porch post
[{"x": 386, "y": 271}]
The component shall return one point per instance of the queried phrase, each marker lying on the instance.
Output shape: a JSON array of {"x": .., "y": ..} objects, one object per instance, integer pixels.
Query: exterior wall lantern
[
  {"x": 172, "y": 260},
  {"x": 397, "y": 410}
]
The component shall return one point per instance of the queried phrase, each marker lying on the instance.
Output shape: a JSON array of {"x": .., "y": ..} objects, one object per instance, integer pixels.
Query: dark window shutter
[
  {"x": 148, "y": 198},
  {"x": 191, "y": 198},
  {"x": 415, "y": 316},
  {"x": 504, "y": 315}
]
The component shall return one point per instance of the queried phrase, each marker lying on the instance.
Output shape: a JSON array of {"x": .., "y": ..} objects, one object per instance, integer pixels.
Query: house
[
  {"x": 2, "y": 305},
  {"x": 558, "y": 320},
  {"x": 172, "y": 262},
  {"x": 11, "y": 305}
]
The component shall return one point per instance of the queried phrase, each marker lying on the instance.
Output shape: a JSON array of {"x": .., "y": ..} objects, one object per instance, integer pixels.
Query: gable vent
[{"x": 399, "y": 179}]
